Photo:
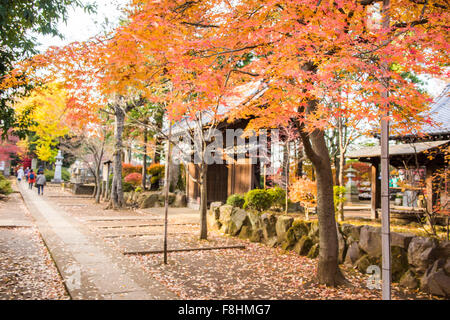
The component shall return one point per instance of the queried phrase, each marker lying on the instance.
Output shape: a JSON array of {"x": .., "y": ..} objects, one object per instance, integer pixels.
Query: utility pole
[
  {"x": 385, "y": 214},
  {"x": 166, "y": 190}
]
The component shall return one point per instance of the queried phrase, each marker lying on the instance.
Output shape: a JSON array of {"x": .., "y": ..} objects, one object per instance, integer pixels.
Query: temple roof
[{"x": 398, "y": 149}]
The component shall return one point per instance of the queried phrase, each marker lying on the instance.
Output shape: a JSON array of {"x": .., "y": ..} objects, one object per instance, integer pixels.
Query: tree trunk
[
  {"x": 299, "y": 162},
  {"x": 328, "y": 271},
  {"x": 98, "y": 184},
  {"x": 203, "y": 201},
  {"x": 116, "y": 200},
  {"x": 337, "y": 168}
]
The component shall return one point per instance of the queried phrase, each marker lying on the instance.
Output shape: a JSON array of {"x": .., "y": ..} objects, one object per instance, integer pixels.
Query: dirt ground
[
  {"x": 255, "y": 272},
  {"x": 26, "y": 268}
]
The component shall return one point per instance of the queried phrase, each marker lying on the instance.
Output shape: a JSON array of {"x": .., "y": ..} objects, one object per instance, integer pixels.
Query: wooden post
[
  {"x": 385, "y": 210},
  {"x": 166, "y": 190},
  {"x": 375, "y": 186},
  {"x": 430, "y": 196}
]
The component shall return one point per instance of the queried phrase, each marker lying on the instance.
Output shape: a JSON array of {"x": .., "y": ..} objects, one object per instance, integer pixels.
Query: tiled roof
[
  {"x": 440, "y": 113},
  {"x": 398, "y": 149}
]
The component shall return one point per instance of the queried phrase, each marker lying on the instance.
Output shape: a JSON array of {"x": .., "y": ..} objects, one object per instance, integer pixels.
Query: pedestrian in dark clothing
[
  {"x": 40, "y": 182},
  {"x": 31, "y": 179}
]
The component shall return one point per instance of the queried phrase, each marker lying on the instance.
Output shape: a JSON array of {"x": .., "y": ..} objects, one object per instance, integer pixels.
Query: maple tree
[{"x": 20, "y": 22}]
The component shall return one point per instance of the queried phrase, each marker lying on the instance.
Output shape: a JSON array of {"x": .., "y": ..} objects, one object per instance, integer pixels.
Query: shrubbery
[
  {"x": 278, "y": 197},
  {"x": 127, "y": 187},
  {"x": 236, "y": 200},
  {"x": 5, "y": 186},
  {"x": 337, "y": 193},
  {"x": 128, "y": 168},
  {"x": 133, "y": 178},
  {"x": 258, "y": 199},
  {"x": 157, "y": 172}
]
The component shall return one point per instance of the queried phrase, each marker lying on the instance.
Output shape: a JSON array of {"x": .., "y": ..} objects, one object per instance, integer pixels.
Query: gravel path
[{"x": 26, "y": 268}]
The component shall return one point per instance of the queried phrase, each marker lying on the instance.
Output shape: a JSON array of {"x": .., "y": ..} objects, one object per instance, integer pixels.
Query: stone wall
[
  {"x": 152, "y": 199},
  {"x": 417, "y": 262}
]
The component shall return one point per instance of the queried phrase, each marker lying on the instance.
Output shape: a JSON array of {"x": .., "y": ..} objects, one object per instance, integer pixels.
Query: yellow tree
[{"x": 46, "y": 107}]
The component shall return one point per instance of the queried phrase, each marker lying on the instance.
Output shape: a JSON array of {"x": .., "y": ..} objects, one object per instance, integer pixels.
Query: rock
[
  {"x": 257, "y": 235},
  {"x": 289, "y": 240},
  {"x": 351, "y": 231},
  {"x": 281, "y": 227},
  {"x": 245, "y": 233},
  {"x": 303, "y": 246},
  {"x": 271, "y": 242},
  {"x": 314, "y": 251},
  {"x": 225, "y": 217},
  {"x": 299, "y": 228},
  {"x": 409, "y": 280},
  {"x": 314, "y": 230},
  {"x": 254, "y": 219},
  {"x": 141, "y": 197},
  {"x": 162, "y": 198},
  {"x": 180, "y": 200},
  {"x": 422, "y": 253},
  {"x": 444, "y": 249},
  {"x": 399, "y": 263},
  {"x": 365, "y": 261},
  {"x": 342, "y": 246},
  {"x": 268, "y": 224},
  {"x": 237, "y": 220},
  {"x": 353, "y": 254},
  {"x": 149, "y": 201},
  {"x": 435, "y": 280},
  {"x": 126, "y": 197},
  {"x": 213, "y": 216},
  {"x": 401, "y": 240},
  {"x": 370, "y": 241},
  {"x": 447, "y": 266}
]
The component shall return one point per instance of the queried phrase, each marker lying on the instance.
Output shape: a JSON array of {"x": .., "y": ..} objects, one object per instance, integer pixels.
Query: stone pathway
[
  {"x": 26, "y": 268},
  {"x": 90, "y": 268}
]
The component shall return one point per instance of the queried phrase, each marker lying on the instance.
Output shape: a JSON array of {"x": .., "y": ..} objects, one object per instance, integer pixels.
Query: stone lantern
[
  {"x": 351, "y": 191},
  {"x": 58, "y": 166}
]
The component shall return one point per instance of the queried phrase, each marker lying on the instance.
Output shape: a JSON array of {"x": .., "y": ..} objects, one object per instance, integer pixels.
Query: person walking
[
  {"x": 27, "y": 171},
  {"x": 40, "y": 182},
  {"x": 31, "y": 178},
  {"x": 20, "y": 174}
]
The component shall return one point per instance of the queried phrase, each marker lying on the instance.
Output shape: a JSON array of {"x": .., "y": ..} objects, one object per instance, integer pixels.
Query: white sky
[{"x": 82, "y": 26}]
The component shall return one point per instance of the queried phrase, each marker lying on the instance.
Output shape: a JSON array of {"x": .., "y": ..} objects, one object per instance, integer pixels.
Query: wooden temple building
[
  {"x": 422, "y": 155},
  {"x": 235, "y": 174}
]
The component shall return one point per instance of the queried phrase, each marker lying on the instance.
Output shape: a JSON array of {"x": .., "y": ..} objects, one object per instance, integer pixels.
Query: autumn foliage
[{"x": 304, "y": 191}]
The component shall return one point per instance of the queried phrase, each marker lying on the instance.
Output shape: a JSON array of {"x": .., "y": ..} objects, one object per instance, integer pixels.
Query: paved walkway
[{"x": 90, "y": 268}]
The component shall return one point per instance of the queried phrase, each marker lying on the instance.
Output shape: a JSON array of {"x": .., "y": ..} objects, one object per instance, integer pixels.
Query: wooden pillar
[
  {"x": 429, "y": 192},
  {"x": 375, "y": 186}
]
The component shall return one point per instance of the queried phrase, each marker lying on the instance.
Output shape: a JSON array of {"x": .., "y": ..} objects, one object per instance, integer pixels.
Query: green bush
[
  {"x": 258, "y": 199},
  {"x": 127, "y": 187},
  {"x": 337, "y": 193},
  {"x": 156, "y": 170},
  {"x": 49, "y": 174},
  {"x": 278, "y": 197},
  {"x": 236, "y": 200},
  {"x": 138, "y": 189},
  {"x": 5, "y": 186}
]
